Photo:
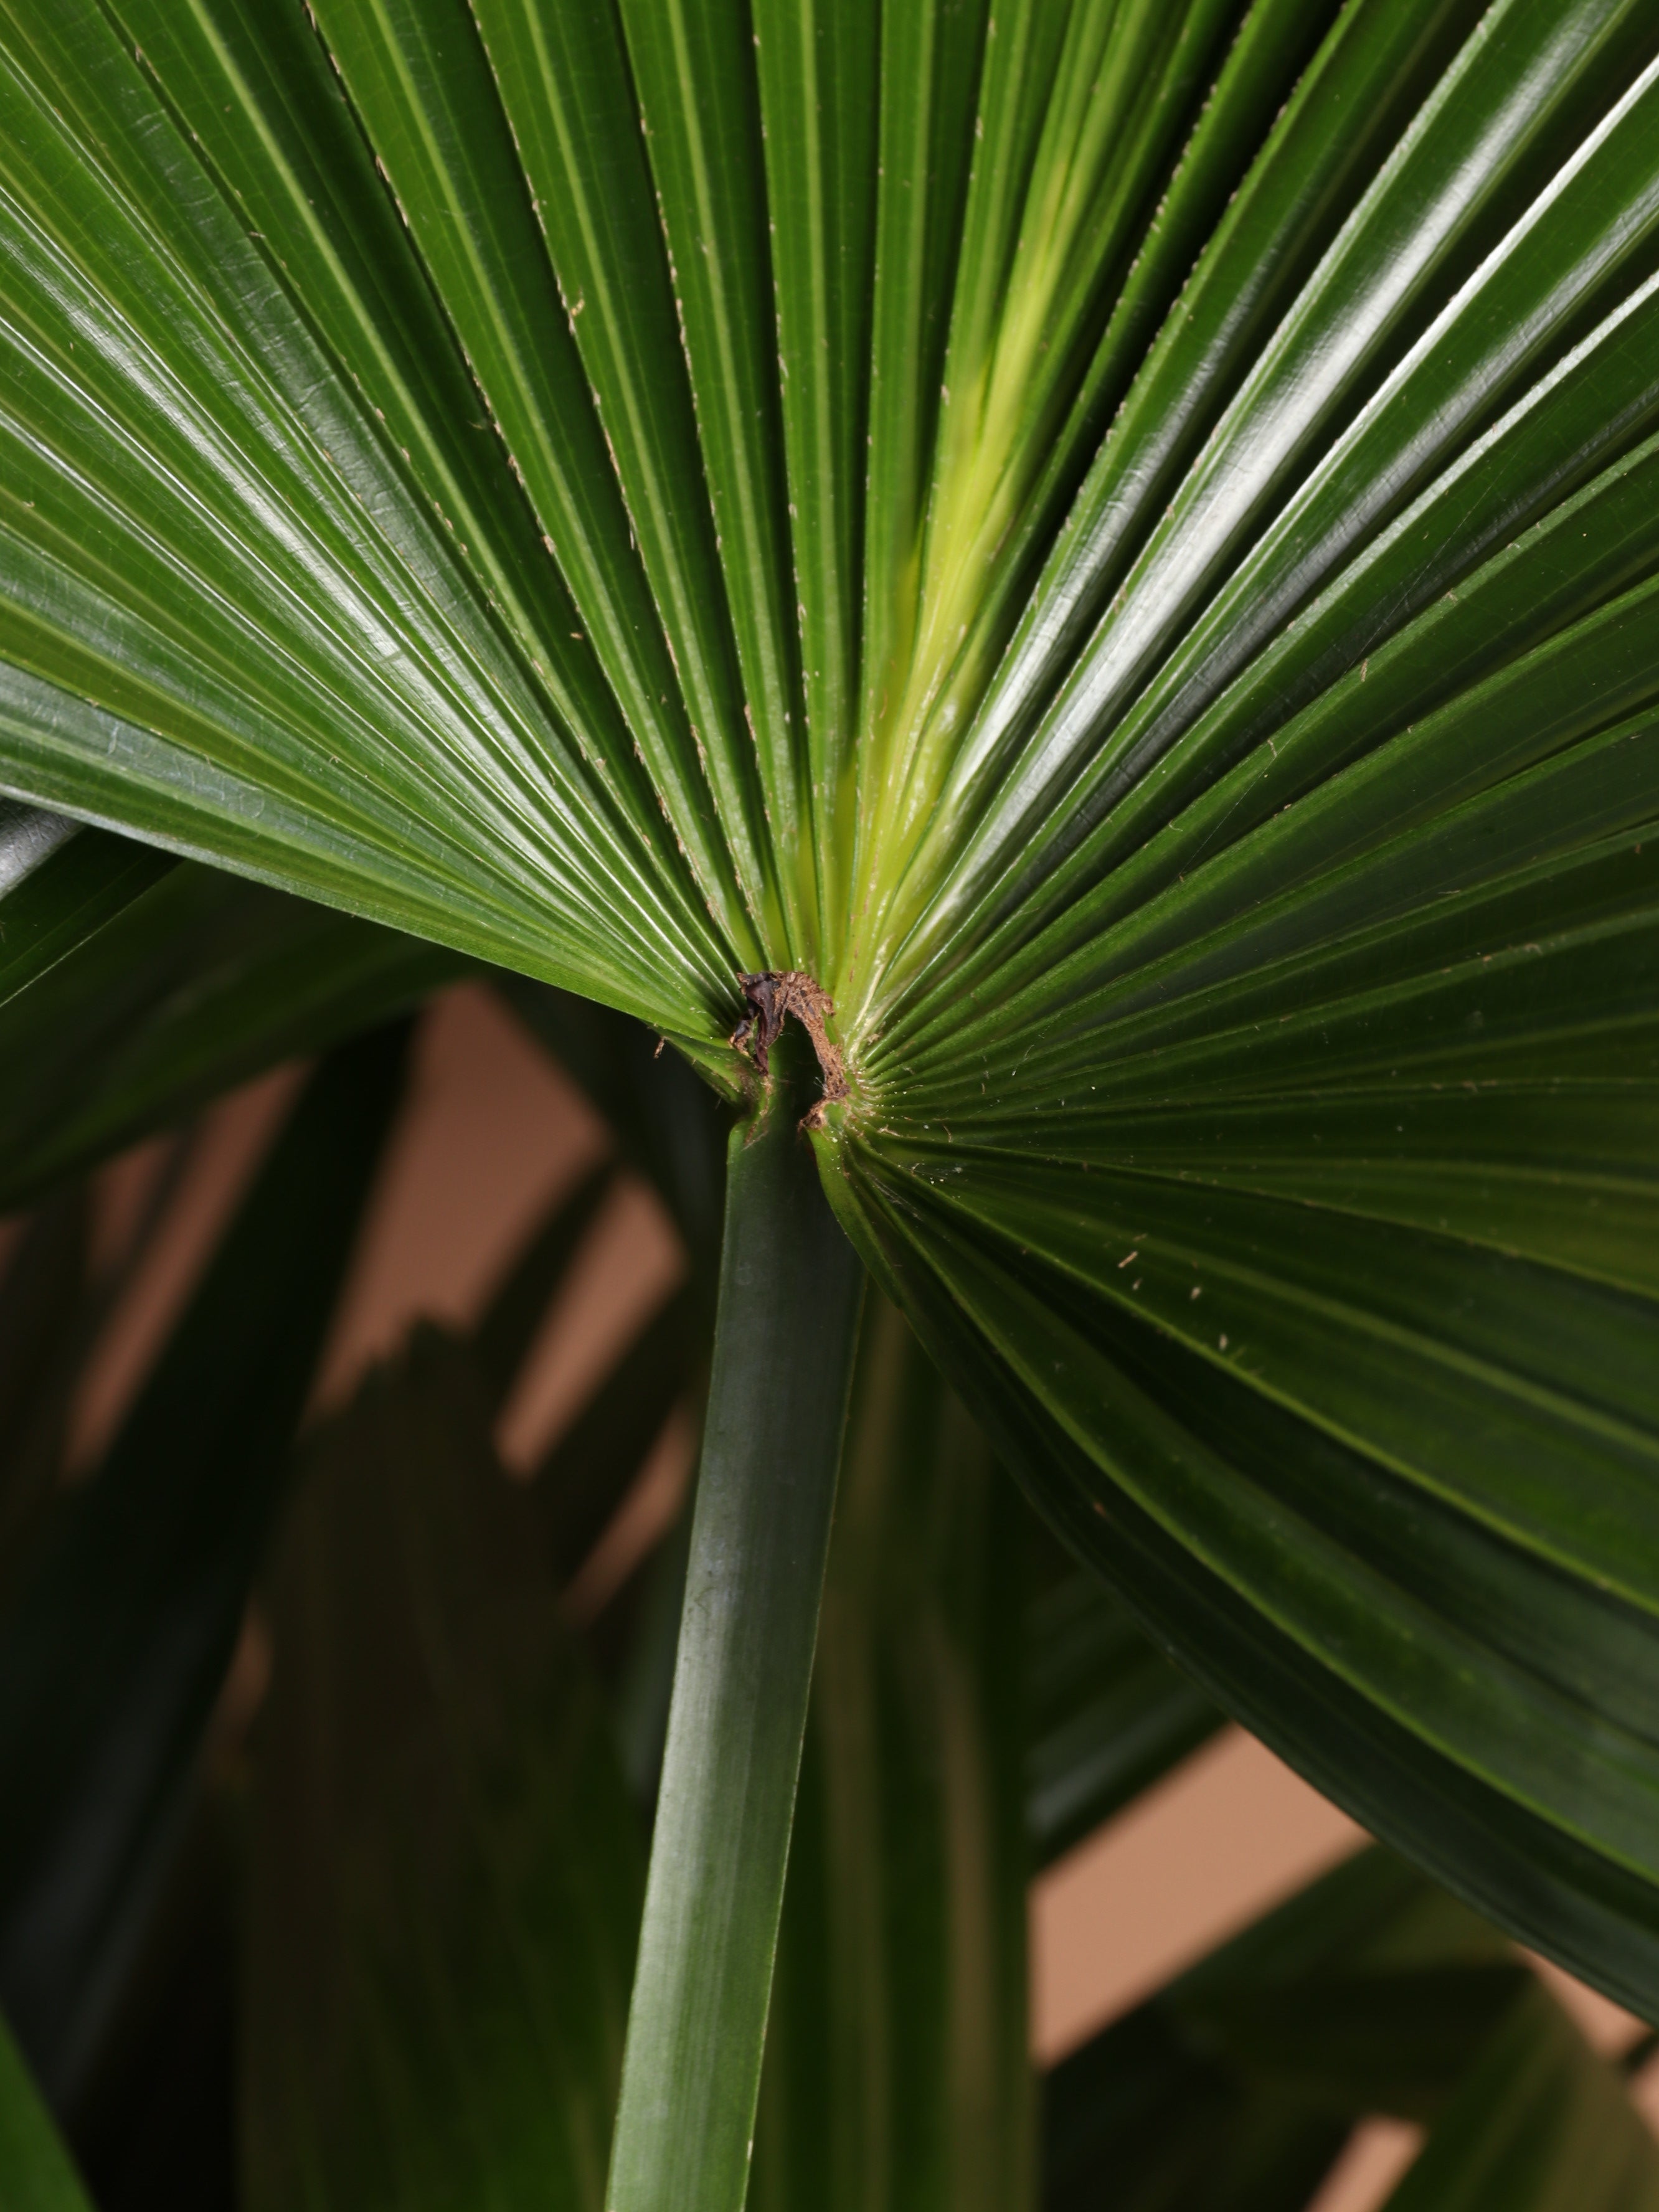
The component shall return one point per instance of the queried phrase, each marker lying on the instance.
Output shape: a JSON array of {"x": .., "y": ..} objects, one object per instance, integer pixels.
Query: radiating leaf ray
[
  {"x": 564, "y": 81},
  {"x": 356, "y": 600},
  {"x": 694, "y": 69},
  {"x": 1259, "y": 250},
  {"x": 816, "y": 66},
  {"x": 1576, "y": 1900},
  {"x": 1605, "y": 201},
  {"x": 1366, "y": 1606},
  {"x": 270, "y": 121},
  {"x": 1117, "y": 540},
  {"x": 1514, "y": 602},
  {"x": 1380, "y": 920},
  {"x": 930, "y": 72},
  {"x": 421, "y": 81},
  {"x": 1046, "y": 238},
  {"x": 1272, "y": 44}
]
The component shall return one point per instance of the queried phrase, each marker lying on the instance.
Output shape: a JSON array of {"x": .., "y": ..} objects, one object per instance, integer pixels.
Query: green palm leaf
[
  {"x": 126, "y": 1607},
  {"x": 444, "y": 1878},
  {"x": 133, "y": 989},
  {"x": 1369, "y": 1992},
  {"x": 1542, "y": 2122},
  {"x": 896, "y": 2068},
  {"x": 1117, "y": 540},
  {"x": 40, "y": 2177}
]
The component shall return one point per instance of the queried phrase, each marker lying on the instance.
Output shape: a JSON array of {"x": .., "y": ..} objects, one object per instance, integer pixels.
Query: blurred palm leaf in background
[
  {"x": 441, "y": 1866},
  {"x": 1117, "y": 540}
]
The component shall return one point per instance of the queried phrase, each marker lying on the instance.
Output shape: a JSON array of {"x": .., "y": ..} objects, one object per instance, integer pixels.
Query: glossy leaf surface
[
  {"x": 1120, "y": 540},
  {"x": 785, "y": 1336}
]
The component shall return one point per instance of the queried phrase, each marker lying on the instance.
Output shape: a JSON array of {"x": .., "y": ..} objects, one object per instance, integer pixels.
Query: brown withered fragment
[{"x": 772, "y": 998}]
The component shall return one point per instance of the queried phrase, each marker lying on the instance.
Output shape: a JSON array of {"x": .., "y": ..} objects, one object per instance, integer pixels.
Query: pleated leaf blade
[{"x": 1120, "y": 541}]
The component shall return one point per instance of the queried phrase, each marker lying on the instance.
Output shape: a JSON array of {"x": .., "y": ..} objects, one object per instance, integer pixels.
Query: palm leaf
[
  {"x": 126, "y": 1608},
  {"x": 896, "y": 2069},
  {"x": 1237, "y": 2084},
  {"x": 1145, "y": 596},
  {"x": 1106, "y": 1713},
  {"x": 1542, "y": 2122},
  {"x": 40, "y": 2177},
  {"x": 43, "y": 1313},
  {"x": 446, "y": 1875},
  {"x": 445, "y": 1869},
  {"x": 1369, "y": 1992},
  {"x": 133, "y": 990}
]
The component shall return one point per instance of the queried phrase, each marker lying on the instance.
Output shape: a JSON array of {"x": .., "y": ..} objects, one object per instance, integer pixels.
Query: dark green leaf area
[
  {"x": 1107, "y": 1714},
  {"x": 1119, "y": 538},
  {"x": 1169, "y": 2130},
  {"x": 34, "y": 2166},
  {"x": 1499, "y": 1811},
  {"x": 1376, "y": 1307},
  {"x": 59, "y": 887},
  {"x": 1371, "y": 1992},
  {"x": 1390, "y": 2042},
  {"x": 43, "y": 1291},
  {"x": 115, "y": 1643},
  {"x": 1235, "y": 2088},
  {"x": 445, "y": 1871},
  {"x": 897, "y": 2071},
  {"x": 153, "y": 2127},
  {"x": 193, "y": 983},
  {"x": 1542, "y": 2122}
]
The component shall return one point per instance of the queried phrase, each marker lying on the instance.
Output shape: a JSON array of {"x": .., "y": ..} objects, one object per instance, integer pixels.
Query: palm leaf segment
[{"x": 1119, "y": 539}]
